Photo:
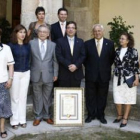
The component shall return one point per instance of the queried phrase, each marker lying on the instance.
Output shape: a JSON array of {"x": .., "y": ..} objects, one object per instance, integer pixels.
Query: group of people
[{"x": 48, "y": 53}]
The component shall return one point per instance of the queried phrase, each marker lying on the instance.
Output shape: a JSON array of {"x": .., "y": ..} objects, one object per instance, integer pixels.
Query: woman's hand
[
  {"x": 9, "y": 83},
  {"x": 136, "y": 82}
]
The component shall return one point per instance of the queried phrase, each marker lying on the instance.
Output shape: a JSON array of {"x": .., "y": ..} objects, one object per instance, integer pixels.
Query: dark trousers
[
  {"x": 96, "y": 98},
  {"x": 70, "y": 82}
]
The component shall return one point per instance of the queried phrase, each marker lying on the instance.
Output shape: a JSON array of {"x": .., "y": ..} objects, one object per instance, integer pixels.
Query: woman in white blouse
[
  {"x": 126, "y": 65},
  {"x": 6, "y": 59}
]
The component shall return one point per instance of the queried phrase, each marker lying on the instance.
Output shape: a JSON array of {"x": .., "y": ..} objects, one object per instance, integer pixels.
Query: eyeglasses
[
  {"x": 44, "y": 32},
  {"x": 73, "y": 28}
]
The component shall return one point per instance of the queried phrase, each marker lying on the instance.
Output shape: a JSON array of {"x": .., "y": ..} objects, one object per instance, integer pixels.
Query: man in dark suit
[
  {"x": 70, "y": 53},
  {"x": 99, "y": 58},
  {"x": 58, "y": 28}
]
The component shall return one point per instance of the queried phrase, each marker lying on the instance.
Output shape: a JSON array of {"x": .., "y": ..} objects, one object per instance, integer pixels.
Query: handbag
[{"x": 130, "y": 80}]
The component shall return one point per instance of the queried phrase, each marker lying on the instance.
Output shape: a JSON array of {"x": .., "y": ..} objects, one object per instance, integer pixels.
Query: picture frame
[{"x": 68, "y": 106}]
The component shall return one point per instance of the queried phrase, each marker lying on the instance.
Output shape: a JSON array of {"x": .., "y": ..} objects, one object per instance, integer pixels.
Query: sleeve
[
  {"x": 60, "y": 57},
  {"x": 55, "y": 64},
  {"x": 10, "y": 59},
  {"x": 82, "y": 57},
  {"x": 31, "y": 25},
  {"x": 136, "y": 62}
]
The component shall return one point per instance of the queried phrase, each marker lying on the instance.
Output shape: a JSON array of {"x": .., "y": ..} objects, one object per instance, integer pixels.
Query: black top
[{"x": 21, "y": 54}]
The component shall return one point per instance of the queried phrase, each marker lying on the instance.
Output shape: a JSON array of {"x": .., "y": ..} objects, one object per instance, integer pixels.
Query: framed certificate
[{"x": 68, "y": 106}]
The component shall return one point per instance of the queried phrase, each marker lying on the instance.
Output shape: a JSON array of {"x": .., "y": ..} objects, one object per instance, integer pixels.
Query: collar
[
  {"x": 101, "y": 40},
  {"x": 70, "y": 38},
  {"x": 62, "y": 22},
  {"x": 40, "y": 41}
]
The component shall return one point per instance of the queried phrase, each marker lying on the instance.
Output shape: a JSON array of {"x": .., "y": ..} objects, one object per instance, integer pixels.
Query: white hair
[
  {"x": 44, "y": 26},
  {"x": 98, "y": 25}
]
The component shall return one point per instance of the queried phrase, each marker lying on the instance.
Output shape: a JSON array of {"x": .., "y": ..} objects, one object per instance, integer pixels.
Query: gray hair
[
  {"x": 43, "y": 26},
  {"x": 98, "y": 25}
]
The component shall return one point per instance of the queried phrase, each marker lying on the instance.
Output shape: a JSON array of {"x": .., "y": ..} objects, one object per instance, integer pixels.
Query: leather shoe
[
  {"x": 103, "y": 120},
  {"x": 49, "y": 121},
  {"x": 36, "y": 122},
  {"x": 123, "y": 124},
  {"x": 89, "y": 119}
]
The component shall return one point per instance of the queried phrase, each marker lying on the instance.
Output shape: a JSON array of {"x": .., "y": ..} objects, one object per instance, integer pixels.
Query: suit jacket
[
  {"x": 65, "y": 58},
  {"x": 129, "y": 65},
  {"x": 56, "y": 31},
  {"x": 99, "y": 67},
  {"x": 46, "y": 68}
]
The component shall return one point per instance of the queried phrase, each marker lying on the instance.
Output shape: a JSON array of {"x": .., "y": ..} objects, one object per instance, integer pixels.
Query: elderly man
[
  {"x": 44, "y": 71},
  {"x": 100, "y": 54}
]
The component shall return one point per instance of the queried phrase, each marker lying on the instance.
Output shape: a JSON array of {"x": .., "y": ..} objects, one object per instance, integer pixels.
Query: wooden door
[{"x": 16, "y": 12}]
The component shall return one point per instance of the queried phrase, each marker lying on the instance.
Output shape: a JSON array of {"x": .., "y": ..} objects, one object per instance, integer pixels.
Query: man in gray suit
[{"x": 44, "y": 71}]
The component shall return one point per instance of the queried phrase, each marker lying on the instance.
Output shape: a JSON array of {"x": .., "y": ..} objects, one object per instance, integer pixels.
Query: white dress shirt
[
  {"x": 71, "y": 43},
  {"x": 45, "y": 44},
  {"x": 64, "y": 26},
  {"x": 101, "y": 43}
]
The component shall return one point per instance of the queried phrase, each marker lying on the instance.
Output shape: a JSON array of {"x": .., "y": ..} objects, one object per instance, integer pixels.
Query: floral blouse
[{"x": 128, "y": 66}]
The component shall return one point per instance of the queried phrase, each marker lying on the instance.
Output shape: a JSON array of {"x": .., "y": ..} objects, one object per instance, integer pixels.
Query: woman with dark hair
[
  {"x": 40, "y": 14},
  {"x": 6, "y": 59},
  {"x": 18, "y": 92},
  {"x": 126, "y": 66}
]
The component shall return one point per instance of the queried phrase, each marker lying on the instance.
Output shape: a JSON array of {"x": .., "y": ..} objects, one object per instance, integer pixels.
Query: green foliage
[
  {"x": 6, "y": 30},
  {"x": 118, "y": 26}
]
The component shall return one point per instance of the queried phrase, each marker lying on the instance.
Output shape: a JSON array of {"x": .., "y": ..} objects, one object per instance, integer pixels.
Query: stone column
[
  {"x": 29, "y": 6},
  {"x": 3, "y": 8},
  {"x": 85, "y": 13}
]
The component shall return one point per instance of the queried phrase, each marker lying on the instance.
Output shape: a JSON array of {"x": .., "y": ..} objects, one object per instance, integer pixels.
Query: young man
[
  {"x": 58, "y": 29},
  {"x": 70, "y": 53}
]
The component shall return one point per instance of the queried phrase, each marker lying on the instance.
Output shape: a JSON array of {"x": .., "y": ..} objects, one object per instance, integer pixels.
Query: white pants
[{"x": 18, "y": 93}]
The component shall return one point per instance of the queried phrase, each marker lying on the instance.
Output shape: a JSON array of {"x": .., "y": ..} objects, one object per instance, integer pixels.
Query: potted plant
[{"x": 118, "y": 26}]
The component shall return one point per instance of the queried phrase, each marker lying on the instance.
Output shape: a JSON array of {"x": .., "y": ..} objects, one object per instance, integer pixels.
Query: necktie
[
  {"x": 63, "y": 28},
  {"x": 98, "y": 47},
  {"x": 71, "y": 46},
  {"x": 42, "y": 50}
]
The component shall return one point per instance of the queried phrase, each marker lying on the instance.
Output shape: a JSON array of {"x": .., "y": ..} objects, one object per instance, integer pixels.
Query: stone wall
[
  {"x": 85, "y": 13},
  {"x": 3, "y": 8},
  {"x": 29, "y": 6}
]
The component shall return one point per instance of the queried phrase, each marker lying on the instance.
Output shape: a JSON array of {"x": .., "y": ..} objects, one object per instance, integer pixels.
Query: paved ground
[{"x": 46, "y": 132}]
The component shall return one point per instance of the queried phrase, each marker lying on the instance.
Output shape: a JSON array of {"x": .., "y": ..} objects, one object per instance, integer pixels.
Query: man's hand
[{"x": 72, "y": 67}]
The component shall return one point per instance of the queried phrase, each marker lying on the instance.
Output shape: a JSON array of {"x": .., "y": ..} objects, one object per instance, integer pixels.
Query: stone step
[{"x": 110, "y": 109}]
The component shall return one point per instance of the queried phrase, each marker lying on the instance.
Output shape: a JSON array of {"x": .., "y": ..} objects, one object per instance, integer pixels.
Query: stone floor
[{"x": 44, "y": 128}]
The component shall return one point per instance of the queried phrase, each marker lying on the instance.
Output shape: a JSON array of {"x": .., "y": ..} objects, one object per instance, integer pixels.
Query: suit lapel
[
  {"x": 95, "y": 49},
  {"x": 76, "y": 44},
  {"x": 48, "y": 47},
  {"x": 37, "y": 48},
  {"x": 67, "y": 45},
  {"x": 59, "y": 28},
  {"x": 104, "y": 47}
]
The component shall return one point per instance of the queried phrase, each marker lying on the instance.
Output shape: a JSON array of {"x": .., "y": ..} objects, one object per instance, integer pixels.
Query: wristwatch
[{"x": 11, "y": 78}]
